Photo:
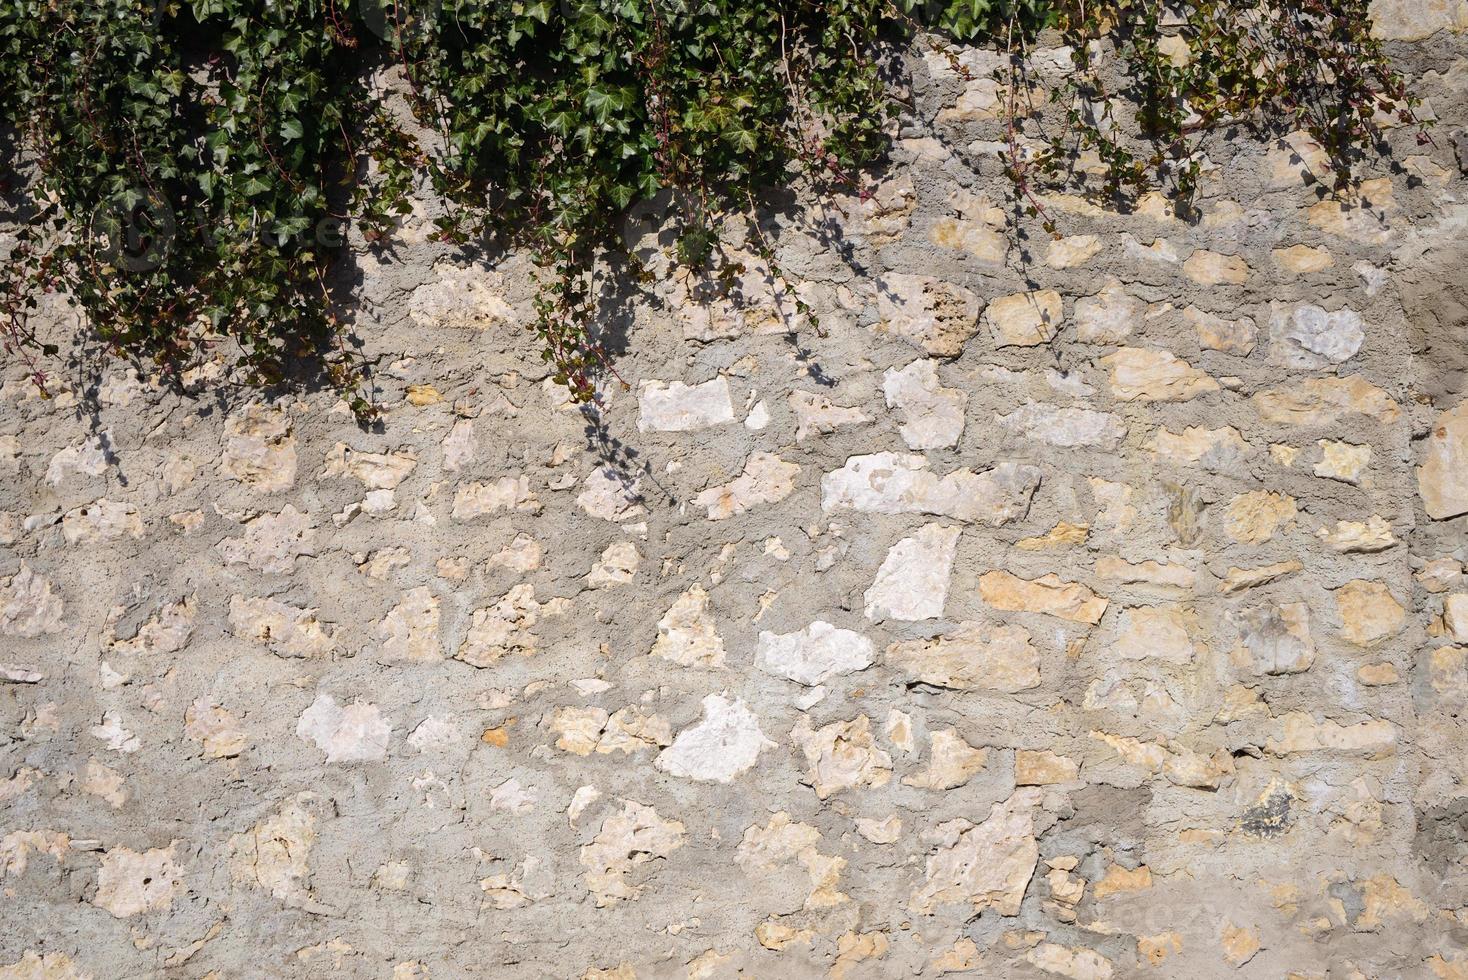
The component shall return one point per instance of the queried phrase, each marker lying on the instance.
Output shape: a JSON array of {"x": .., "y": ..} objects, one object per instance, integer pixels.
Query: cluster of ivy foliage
[{"x": 184, "y": 170}]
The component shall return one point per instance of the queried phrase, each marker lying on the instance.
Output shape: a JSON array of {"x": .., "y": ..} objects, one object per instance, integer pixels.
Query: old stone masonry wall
[{"x": 1083, "y": 608}]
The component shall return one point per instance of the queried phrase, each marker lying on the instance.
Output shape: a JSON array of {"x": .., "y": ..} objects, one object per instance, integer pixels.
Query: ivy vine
[{"x": 186, "y": 170}]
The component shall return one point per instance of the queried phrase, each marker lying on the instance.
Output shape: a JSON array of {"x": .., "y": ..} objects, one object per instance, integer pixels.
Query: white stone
[
  {"x": 935, "y": 315},
  {"x": 677, "y": 407},
  {"x": 28, "y": 605},
  {"x": 912, "y": 583},
  {"x": 610, "y": 495},
  {"x": 686, "y": 633},
  {"x": 817, "y": 413},
  {"x": 985, "y": 866},
  {"x": 617, "y": 566},
  {"x": 933, "y": 415},
  {"x": 767, "y": 479},
  {"x": 1309, "y": 337},
  {"x": 259, "y": 450},
  {"x": 508, "y": 493},
  {"x": 1065, "y": 428},
  {"x": 725, "y": 743},
  {"x": 129, "y": 883},
  {"x": 101, "y": 521},
  {"x": 894, "y": 483},
  {"x": 272, "y": 542},
  {"x": 288, "y": 631},
  {"x": 815, "y": 654},
  {"x": 375, "y": 471},
  {"x": 353, "y": 733}
]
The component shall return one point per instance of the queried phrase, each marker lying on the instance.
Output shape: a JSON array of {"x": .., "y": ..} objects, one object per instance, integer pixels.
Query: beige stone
[
  {"x": 1257, "y": 516},
  {"x": 505, "y": 627},
  {"x": 937, "y": 316},
  {"x": 1062, "y": 535},
  {"x": 952, "y": 761},
  {"x": 898, "y": 483},
  {"x": 1212, "y": 268},
  {"x": 582, "y": 731},
  {"x": 972, "y": 656},
  {"x": 259, "y": 448},
  {"x": 1066, "y": 253},
  {"x": 628, "y": 839},
  {"x": 508, "y": 493},
  {"x": 375, "y": 471},
  {"x": 984, "y": 866},
  {"x": 1242, "y": 579},
  {"x": 1157, "y": 633},
  {"x": 1322, "y": 401},
  {"x": 1369, "y": 612},
  {"x": 1215, "y": 333},
  {"x": 933, "y": 414},
  {"x": 1299, "y": 731},
  {"x": 1048, "y": 594},
  {"x": 1144, "y": 375},
  {"x": 272, "y": 542},
  {"x": 1024, "y": 319},
  {"x": 1414, "y": 20},
  {"x": 1109, "y": 317},
  {"x": 1075, "y": 963},
  {"x": 1214, "y": 449},
  {"x": 1442, "y": 479},
  {"x": 842, "y": 755},
  {"x": 817, "y": 413},
  {"x": 1373, "y": 534},
  {"x": 686, "y": 633},
  {"x": 1303, "y": 260},
  {"x": 217, "y": 729},
  {"x": 274, "y": 855},
  {"x": 1240, "y": 944},
  {"x": 130, "y": 883},
  {"x": 1043, "y": 768}
]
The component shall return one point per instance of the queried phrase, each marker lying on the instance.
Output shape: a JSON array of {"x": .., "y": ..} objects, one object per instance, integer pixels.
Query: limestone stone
[
  {"x": 1257, "y": 516},
  {"x": 1043, "y": 768},
  {"x": 29, "y": 606},
  {"x": 259, "y": 448},
  {"x": 1277, "y": 638},
  {"x": 894, "y": 483},
  {"x": 937, "y": 316},
  {"x": 1158, "y": 633},
  {"x": 89, "y": 457},
  {"x": 633, "y": 836},
  {"x": 1310, "y": 337},
  {"x": 354, "y": 733},
  {"x": 409, "y": 632},
  {"x": 130, "y": 883},
  {"x": 375, "y": 471},
  {"x": 582, "y": 731},
  {"x": 1145, "y": 375},
  {"x": 1413, "y": 20},
  {"x": 1212, "y": 268},
  {"x": 610, "y": 494},
  {"x": 1300, "y": 731},
  {"x": 1342, "y": 461},
  {"x": 1065, "y": 428},
  {"x": 933, "y": 415},
  {"x": 1303, "y": 260},
  {"x": 952, "y": 761},
  {"x": 767, "y": 479},
  {"x": 272, "y": 542},
  {"x": 1215, "y": 333},
  {"x": 1455, "y": 616},
  {"x": 1242, "y": 579},
  {"x": 984, "y": 866},
  {"x": 972, "y": 656},
  {"x": 274, "y": 855},
  {"x": 1062, "y": 535},
  {"x": 1322, "y": 401},
  {"x": 782, "y": 841},
  {"x": 912, "y": 583},
  {"x": 1066, "y": 253},
  {"x": 1369, "y": 612},
  {"x": 1048, "y": 594},
  {"x": 616, "y": 566},
  {"x": 101, "y": 521},
  {"x": 504, "y": 628},
  {"x": 167, "y": 631},
  {"x": 726, "y": 742},
  {"x": 1024, "y": 319},
  {"x": 1213, "y": 449},
  {"x": 216, "y": 729},
  {"x": 686, "y": 633},
  {"x": 1076, "y": 963},
  {"x": 842, "y": 755},
  {"x": 508, "y": 493},
  {"x": 1442, "y": 479},
  {"x": 459, "y": 297},
  {"x": 1372, "y": 535},
  {"x": 678, "y": 407},
  {"x": 1156, "y": 576},
  {"x": 1109, "y": 317},
  {"x": 458, "y": 446},
  {"x": 288, "y": 631},
  {"x": 816, "y": 413},
  {"x": 43, "y": 966},
  {"x": 815, "y": 654}
]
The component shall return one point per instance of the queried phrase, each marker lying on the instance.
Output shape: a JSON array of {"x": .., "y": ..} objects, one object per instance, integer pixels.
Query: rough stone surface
[{"x": 1087, "y": 608}]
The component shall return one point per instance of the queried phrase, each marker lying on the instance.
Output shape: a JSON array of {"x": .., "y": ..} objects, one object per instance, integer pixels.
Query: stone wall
[{"x": 1086, "y": 608}]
